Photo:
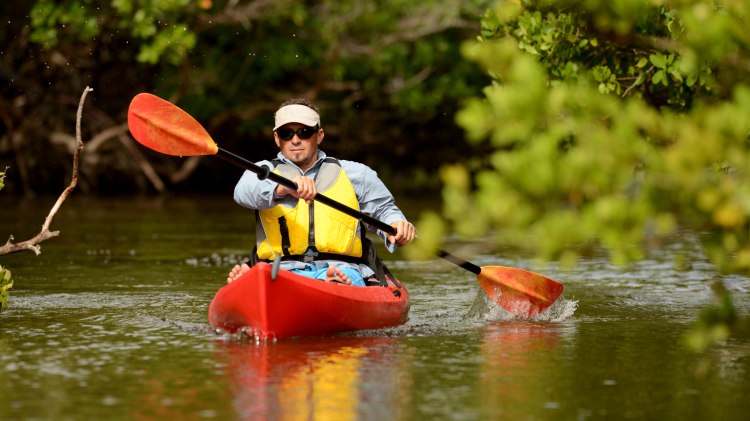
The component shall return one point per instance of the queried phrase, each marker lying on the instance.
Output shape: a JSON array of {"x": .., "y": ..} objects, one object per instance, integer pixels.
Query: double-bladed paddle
[{"x": 164, "y": 127}]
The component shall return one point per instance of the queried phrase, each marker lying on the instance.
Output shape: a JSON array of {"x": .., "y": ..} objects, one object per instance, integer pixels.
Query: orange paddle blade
[
  {"x": 162, "y": 126},
  {"x": 519, "y": 291}
]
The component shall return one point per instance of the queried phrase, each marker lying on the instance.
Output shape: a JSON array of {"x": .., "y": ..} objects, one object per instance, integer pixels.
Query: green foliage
[
  {"x": 6, "y": 283},
  {"x": 49, "y": 18},
  {"x": 158, "y": 25},
  {"x": 714, "y": 321},
  {"x": 611, "y": 123},
  {"x": 599, "y": 122}
]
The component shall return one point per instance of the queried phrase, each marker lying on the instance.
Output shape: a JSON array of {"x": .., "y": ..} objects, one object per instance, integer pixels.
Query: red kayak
[{"x": 294, "y": 305}]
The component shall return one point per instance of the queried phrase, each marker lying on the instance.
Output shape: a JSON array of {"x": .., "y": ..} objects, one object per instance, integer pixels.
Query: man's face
[{"x": 303, "y": 152}]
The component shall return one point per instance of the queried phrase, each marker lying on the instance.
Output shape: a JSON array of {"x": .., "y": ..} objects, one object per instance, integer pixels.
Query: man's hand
[
  {"x": 305, "y": 189},
  {"x": 405, "y": 233}
]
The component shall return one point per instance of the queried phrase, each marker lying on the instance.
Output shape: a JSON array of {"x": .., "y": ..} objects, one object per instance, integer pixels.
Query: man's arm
[
  {"x": 253, "y": 193},
  {"x": 377, "y": 201}
]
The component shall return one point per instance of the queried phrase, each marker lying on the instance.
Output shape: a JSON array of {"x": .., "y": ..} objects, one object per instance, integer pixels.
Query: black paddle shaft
[{"x": 264, "y": 172}]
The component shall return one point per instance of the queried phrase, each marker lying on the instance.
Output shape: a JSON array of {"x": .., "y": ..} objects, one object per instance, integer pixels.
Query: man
[{"x": 314, "y": 239}]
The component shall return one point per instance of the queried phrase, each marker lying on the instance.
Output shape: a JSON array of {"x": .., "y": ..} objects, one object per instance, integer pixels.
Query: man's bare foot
[
  {"x": 335, "y": 275},
  {"x": 237, "y": 271}
]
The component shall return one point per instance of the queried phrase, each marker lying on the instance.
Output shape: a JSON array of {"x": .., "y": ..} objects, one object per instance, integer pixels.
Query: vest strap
[{"x": 285, "y": 241}]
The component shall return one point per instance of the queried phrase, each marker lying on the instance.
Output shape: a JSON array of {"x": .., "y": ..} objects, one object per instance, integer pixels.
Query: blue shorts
[{"x": 311, "y": 272}]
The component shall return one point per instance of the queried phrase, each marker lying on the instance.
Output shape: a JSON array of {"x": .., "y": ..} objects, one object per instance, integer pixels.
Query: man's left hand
[{"x": 405, "y": 233}]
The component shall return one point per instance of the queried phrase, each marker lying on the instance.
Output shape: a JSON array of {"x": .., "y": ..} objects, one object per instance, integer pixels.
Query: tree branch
[{"x": 33, "y": 243}]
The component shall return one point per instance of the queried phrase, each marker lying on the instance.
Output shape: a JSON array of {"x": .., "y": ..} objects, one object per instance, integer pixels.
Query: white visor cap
[{"x": 296, "y": 113}]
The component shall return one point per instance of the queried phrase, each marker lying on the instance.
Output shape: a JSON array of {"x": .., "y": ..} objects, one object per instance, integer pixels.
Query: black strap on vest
[
  {"x": 285, "y": 241},
  {"x": 312, "y": 252}
]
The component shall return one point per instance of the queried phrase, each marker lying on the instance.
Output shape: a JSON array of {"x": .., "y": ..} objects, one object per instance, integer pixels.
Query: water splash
[
  {"x": 488, "y": 310},
  {"x": 246, "y": 334}
]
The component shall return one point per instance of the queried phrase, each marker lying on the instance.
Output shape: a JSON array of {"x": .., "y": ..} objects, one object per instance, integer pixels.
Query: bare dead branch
[
  {"x": 33, "y": 244},
  {"x": 412, "y": 28},
  {"x": 105, "y": 135},
  {"x": 146, "y": 167},
  {"x": 120, "y": 132},
  {"x": 189, "y": 165},
  {"x": 65, "y": 140},
  {"x": 242, "y": 14}
]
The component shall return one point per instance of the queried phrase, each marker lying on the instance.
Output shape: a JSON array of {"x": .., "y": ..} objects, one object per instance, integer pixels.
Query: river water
[{"x": 110, "y": 322}]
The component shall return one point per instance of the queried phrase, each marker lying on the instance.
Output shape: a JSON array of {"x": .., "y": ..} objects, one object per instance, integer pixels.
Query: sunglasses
[{"x": 303, "y": 133}]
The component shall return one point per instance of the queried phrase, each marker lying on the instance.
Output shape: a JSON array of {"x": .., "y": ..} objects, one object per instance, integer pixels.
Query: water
[{"x": 110, "y": 321}]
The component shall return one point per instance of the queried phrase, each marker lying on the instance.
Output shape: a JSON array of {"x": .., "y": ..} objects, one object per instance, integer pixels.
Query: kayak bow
[{"x": 295, "y": 305}]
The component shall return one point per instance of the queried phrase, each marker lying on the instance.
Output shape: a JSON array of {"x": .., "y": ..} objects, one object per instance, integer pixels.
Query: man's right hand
[{"x": 306, "y": 189}]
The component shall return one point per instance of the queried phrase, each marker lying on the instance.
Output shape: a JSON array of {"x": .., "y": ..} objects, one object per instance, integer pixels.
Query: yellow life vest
[{"x": 291, "y": 231}]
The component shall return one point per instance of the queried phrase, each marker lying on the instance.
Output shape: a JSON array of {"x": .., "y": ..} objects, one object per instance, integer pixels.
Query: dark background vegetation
[{"x": 388, "y": 77}]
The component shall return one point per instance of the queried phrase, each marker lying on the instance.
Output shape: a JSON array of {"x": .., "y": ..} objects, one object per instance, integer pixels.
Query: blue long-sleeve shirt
[{"x": 373, "y": 196}]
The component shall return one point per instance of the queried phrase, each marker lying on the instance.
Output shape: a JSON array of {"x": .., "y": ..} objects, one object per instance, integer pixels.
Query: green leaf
[
  {"x": 6, "y": 283},
  {"x": 658, "y": 60},
  {"x": 657, "y": 77}
]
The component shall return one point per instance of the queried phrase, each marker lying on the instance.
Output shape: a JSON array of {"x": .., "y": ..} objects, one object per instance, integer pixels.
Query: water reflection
[
  {"x": 518, "y": 357},
  {"x": 311, "y": 378}
]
